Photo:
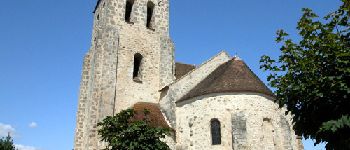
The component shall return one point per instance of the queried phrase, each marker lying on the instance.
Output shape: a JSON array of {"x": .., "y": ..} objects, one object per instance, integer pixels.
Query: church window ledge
[
  {"x": 131, "y": 23},
  {"x": 151, "y": 29},
  {"x": 137, "y": 80}
]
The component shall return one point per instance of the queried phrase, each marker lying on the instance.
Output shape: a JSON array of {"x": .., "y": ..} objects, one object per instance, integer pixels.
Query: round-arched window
[{"x": 215, "y": 131}]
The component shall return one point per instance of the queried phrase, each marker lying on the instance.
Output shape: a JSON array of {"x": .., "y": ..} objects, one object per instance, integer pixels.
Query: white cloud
[
  {"x": 33, "y": 125},
  {"x": 22, "y": 147},
  {"x": 5, "y": 129}
]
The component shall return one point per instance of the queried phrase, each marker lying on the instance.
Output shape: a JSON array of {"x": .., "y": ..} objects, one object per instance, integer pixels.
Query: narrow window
[
  {"x": 128, "y": 10},
  {"x": 268, "y": 136},
  {"x": 150, "y": 9},
  {"x": 137, "y": 66},
  {"x": 215, "y": 132}
]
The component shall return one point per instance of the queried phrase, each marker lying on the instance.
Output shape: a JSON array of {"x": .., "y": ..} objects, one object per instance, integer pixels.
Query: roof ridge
[
  {"x": 236, "y": 57},
  {"x": 211, "y": 58}
]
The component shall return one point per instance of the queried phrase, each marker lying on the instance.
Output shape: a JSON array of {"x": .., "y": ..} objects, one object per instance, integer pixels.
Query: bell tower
[{"x": 130, "y": 60}]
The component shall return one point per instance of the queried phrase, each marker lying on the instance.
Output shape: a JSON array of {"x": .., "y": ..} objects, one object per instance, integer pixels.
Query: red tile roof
[
  {"x": 182, "y": 69},
  {"x": 156, "y": 117}
]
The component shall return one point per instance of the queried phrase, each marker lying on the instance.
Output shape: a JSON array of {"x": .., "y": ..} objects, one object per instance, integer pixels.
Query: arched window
[
  {"x": 128, "y": 10},
  {"x": 215, "y": 132},
  {"x": 268, "y": 137},
  {"x": 150, "y": 19},
  {"x": 137, "y": 66}
]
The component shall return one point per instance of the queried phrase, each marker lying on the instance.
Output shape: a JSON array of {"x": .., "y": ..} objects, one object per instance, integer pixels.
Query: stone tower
[{"x": 130, "y": 60}]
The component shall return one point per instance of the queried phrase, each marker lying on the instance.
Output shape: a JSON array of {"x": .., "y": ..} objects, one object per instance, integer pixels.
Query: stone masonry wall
[
  {"x": 83, "y": 103},
  {"x": 248, "y": 121},
  {"x": 183, "y": 85},
  {"x": 107, "y": 85},
  {"x": 135, "y": 40},
  {"x": 167, "y": 62}
]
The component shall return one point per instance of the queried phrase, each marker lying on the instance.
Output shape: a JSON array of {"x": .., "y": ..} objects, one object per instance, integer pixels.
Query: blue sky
[{"x": 42, "y": 44}]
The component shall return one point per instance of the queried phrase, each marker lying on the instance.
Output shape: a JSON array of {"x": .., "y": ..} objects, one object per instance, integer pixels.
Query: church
[{"x": 218, "y": 105}]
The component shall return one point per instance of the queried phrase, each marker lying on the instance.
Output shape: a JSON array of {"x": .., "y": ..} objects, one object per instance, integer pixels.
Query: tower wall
[{"x": 107, "y": 84}]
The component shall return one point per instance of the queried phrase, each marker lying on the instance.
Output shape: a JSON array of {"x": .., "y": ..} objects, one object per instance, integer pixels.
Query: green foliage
[
  {"x": 124, "y": 132},
  {"x": 334, "y": 125},
  {"x": 312, "y": 76},
  {"x": 6, "y": 143}
]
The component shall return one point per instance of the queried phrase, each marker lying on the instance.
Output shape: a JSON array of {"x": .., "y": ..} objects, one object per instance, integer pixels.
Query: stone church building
[{"x": 218, "y": 105}]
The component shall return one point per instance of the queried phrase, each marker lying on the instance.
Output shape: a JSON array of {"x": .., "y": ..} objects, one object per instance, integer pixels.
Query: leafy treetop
[
  {"x": 6, "y": 143},
  {"x": 312, "y": 76},
  {"x": 124, "y": 131}
]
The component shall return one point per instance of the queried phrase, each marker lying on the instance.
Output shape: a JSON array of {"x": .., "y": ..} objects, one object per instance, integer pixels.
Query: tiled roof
[
  {"x": 182, "y": 69},
  {"x": 156, "y": 117},
  {"x": 232, "y": 76}
]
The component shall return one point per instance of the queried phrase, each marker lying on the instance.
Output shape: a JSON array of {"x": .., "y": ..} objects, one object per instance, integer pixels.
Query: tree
[
  {"x": 6, "y": 143},
  {"x": 124, "y": 131},
  {"x": 312, "y": 76}
]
